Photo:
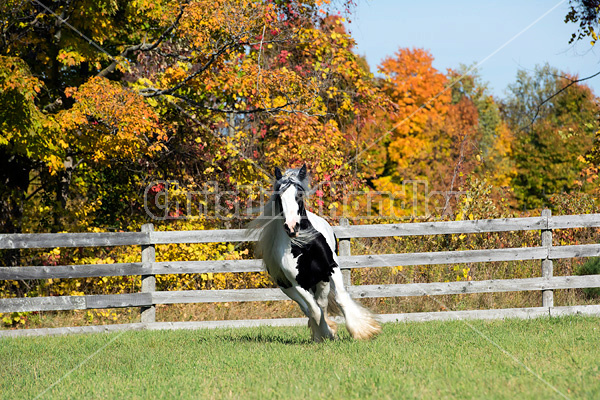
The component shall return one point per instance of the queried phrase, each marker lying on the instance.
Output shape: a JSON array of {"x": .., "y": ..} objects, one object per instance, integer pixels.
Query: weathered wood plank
[
  {"x": 444, "y": 257},
  {"x": 147, "y": 268},
  {"x": 51, "y": 240},
  {"x": 148, "y": 313},
  {"x": 236, "y": 295},
  {"x": 212, "y": 296},
  {"x": 523, "y": 313},
  {"x": 574, "y": 221},
  {"x": 574, "y": 251},
  {"x": 201, "y": 236},
  {"x": 73, "y": 271},
  {"x": 441, "y": 228},
  {"x": 547, "y": 265},
  {"x": 72, "y": 330},
  {"x": 154, "y": 326},
  {"x": 56, "y": 303},
  {"x": 503, "y": 313},
  {"x": 118, "y": 300},
  {"x": 201, "y": 267},
  {"x": 467, "y": 287},
  {"x": 53, "y": 303},
  {"x": 344, "y": 247},
  {"x": 593, "y": 309},
  {"x": 244, "y": 323},
  {"x": 219, "y": 266}
]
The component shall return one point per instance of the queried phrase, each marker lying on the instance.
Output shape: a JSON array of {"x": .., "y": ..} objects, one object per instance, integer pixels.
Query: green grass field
[{"x": 542, "y": 358}]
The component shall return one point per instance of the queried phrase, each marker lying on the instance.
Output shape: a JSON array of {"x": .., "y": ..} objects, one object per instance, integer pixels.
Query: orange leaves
[
  {"x": 237, "y": 20},
  {"x": 110, "y": 121},
  {"x": 419, "y": 92},
  {"x": 417, "y": 88},
  {"x": 69, "y": 58}
]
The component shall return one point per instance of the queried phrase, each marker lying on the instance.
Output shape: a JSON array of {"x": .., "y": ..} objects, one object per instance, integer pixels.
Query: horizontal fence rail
[
  {"x": 149, "y": 268},
  {"x": 347, "y": 262},
  {"x": 52, "y": 240},
  {"x": 57, "y": 303}
]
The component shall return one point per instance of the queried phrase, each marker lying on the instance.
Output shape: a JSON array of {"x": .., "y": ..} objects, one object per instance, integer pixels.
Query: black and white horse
[{"x": 298, "y": 251}]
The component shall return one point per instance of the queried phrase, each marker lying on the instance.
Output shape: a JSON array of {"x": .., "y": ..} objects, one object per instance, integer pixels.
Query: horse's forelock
[{"x": 292, "y": 177}]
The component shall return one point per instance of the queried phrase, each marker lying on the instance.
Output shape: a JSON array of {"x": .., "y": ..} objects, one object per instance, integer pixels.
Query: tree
[
  {"x": 492, "y": 144},
  {"x": 547, "y": 151},
  {"x": 436, "y": 133},
  {"x": 585, "y": 13},
  {"x": 191, "y": 90}
]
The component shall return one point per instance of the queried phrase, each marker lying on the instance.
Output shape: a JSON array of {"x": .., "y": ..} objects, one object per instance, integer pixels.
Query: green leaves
[{"x": 24, "y": 128}]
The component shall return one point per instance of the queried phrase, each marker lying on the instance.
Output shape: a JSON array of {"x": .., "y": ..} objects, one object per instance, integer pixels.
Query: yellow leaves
[
  {"x": 70, "y": 58},
  {"x": 279, "y": 101},
  {"x": 174, "y": 75},
  {"x": 54, "y": 163}
]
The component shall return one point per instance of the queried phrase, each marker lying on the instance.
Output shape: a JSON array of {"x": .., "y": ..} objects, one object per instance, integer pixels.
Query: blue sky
[{"x": 468, "y": 32}]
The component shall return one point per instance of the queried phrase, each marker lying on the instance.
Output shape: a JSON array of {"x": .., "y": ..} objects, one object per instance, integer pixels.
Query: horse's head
[{"x": 290, "y": 191}]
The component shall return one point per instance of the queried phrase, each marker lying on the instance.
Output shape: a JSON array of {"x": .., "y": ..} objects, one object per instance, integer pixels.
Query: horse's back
[{"x": 323, "y": 227}]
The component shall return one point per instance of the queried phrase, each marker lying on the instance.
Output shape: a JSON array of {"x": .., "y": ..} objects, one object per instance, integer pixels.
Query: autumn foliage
[{"x": 105, "y": 102}]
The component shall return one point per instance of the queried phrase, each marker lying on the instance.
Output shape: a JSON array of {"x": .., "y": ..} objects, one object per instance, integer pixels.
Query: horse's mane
[{"x": 268, "y": 226}]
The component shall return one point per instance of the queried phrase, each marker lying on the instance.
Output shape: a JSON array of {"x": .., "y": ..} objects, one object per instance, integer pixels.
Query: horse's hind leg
[
  {"x": 316, "y": 317},
  {"x": 322, "y": 291}
]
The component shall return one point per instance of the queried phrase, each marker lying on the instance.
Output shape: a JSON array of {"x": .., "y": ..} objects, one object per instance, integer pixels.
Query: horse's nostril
[
  {"x": 297, "y": 227},
  {"x": 286, "y": 228}
]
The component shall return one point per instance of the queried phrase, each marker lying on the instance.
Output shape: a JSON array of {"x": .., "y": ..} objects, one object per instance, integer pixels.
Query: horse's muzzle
[{"x": 292, "y": 232}]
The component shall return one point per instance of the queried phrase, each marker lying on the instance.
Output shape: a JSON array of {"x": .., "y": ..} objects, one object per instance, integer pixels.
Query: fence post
[
  {"x": 148, "y": 313},
  {"x": 547, "y": 295},
  {"x": 345, "y": 251}
]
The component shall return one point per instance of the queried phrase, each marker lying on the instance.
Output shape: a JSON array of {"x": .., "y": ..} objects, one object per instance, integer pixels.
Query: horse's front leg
[{"x": 316, "y": 317}]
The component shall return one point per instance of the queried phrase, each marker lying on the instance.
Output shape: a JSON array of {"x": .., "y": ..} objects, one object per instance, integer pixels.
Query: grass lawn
[{"x": 541, "y": 358}]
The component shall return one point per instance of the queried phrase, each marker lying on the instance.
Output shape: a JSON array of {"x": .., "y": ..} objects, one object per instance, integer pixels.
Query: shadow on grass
[
  {"x": 269, "y": 338},
  {"x": 276, "y": 337}
]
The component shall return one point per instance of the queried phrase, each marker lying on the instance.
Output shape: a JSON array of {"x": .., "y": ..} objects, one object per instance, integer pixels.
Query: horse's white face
[{"x": 291, "y": 210}]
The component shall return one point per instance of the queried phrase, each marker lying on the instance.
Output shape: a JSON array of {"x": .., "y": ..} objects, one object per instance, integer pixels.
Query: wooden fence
[{"x": 148, "y": 268}]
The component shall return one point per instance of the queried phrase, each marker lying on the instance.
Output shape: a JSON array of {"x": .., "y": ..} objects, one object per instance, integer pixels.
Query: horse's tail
[{"x": 360, "y": 322}]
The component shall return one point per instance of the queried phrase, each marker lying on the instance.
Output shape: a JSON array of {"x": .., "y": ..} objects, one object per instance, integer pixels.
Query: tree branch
[
  {"x": 152, "y": 92},
  {"x": 229, "y": 110},
  {"x": 144, "y": 46},
  {"x": 279, "y": 109},
  {"x": 571, "y": 83}
]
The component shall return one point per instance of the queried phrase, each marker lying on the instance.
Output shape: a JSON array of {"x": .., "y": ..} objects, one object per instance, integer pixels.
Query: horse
[{"x": 299, "y": 249}]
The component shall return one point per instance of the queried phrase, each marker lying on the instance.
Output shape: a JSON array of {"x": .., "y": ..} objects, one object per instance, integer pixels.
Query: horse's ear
[
  {"x": 302, "y": 173},
  {"x": 278, "y": 175}
]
